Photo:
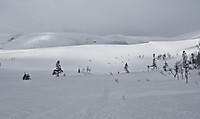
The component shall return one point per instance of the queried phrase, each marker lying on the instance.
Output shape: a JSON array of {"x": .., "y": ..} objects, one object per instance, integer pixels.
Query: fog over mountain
[{"x": 162, "y": 18}]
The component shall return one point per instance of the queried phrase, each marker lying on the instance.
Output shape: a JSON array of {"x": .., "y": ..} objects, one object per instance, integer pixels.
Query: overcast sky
[{"x": 103, "y": 17}]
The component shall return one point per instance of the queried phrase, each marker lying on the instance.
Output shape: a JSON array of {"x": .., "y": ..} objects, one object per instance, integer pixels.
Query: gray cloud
[{"x": 128, "y": 17}]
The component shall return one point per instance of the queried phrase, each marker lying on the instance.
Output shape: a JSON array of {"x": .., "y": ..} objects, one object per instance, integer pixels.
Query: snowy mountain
[
  {"x": 53, "y": 39},
  {"x": 40, "y": 40}
]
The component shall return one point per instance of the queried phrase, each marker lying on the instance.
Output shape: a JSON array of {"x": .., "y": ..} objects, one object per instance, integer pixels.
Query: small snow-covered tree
[
  {"x": 159, "y": 57},
  {"x": 193, "y": 60},
  {"x": 88, "y": 70},
  {"x": 169, "y": 55},
  {"x": 176, "y": 68},
  {"x": 165, "y": 67},
  {"x": 185, "y": 64},
  {"x": 198, "y": 60},
  {"x": 79, "y": 70},
  {"x": 126, "y": 68},
  {"x": 26, "y": 76},
  {"x": 186, "y": 71},
  {"x": 184, "y": 56},
  {"x": 58, "y": 70},
  {"x": 164, "y": 56},
  {"x": 198, "y": 56},
  {"x": 154, "y": 65}
]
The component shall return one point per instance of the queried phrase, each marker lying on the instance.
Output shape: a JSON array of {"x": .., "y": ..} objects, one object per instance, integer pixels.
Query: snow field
[
  {"x": 136, "y": 96},
  {"x": 140, "y": 94},
  {"x": 101, "y": 58}
]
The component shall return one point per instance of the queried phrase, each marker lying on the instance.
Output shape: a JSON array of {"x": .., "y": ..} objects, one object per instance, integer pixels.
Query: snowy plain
[{"x": 103, "y": 94}]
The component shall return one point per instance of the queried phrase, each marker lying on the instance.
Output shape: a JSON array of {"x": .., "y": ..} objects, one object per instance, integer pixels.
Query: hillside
[
  {"x": 57, "y": 39},
  {"x": 107, "y": 93},
  {"x": 101, "y": 58}
]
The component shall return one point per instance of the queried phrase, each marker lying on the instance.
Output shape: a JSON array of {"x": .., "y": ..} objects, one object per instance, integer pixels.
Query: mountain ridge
[{"x": 56, "y": 39}]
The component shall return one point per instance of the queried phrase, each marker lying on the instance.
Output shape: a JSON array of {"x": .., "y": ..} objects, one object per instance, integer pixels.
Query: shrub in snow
[
  {"x": 88, "y": 70},
  {"x": 164, "y": 56},
  {"x": 159, "y": 57},
  {"x": 79, "y": 70},
  {"x": 165, "y": 67},
  {"x": 169, "y": 55},
  {"x": 26, "y": 77},
  {"x": 85, "y": 71}
]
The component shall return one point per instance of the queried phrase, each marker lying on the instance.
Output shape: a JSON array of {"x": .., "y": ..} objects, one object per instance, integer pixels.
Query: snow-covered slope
[
  {"x": 53, "y": 39},
  {"x": 104, "y": 94},
  {"x": 191, "y": 35},
  {"x": 101, "y": 58},
  {"x": 50, "y": 39},
  {"x": 143, "y": 95}
]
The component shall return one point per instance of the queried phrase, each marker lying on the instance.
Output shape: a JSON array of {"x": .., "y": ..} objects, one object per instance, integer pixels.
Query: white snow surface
[{"x": 140, "y": 94}]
